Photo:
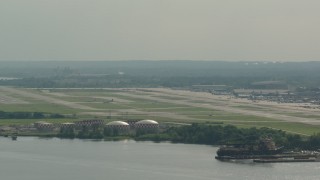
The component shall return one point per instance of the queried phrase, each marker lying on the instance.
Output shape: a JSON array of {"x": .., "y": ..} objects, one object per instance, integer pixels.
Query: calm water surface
[{"x": 32, "y": 158}]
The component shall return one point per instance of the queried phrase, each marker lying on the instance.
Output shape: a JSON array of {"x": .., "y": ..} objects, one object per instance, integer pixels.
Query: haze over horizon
[{"x": 229, "y": 30}]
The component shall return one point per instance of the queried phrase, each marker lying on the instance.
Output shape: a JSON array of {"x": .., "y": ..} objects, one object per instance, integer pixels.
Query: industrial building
[
  {"x": 67, "y": 125},
  {"x": 120, "y": 125},
  {"x": 116, "y": 128},
  {"x": 146, "y": 124},
  {"x": 89, "y": 123},
  {"x": 43, "y": 126}
]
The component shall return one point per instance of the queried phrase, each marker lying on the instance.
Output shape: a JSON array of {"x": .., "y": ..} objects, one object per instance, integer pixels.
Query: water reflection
[{"x": 32, "y": 158}]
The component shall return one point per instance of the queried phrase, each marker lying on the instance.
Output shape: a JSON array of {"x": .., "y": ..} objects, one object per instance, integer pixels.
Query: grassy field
[
  {"x": 141, "y": 106},
  {"x": 38, "y": 107},
  {"x": 29, "y": 121}
]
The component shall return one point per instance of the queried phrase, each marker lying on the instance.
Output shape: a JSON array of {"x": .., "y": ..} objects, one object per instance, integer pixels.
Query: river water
[{"x": 32, "y": 158}]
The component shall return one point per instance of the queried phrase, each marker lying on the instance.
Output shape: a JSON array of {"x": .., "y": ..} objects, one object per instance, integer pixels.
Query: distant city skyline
[{"x": 220, "y": 30}]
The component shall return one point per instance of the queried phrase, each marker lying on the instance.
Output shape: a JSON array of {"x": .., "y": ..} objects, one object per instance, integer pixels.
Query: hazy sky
[{"x": 285, "y": 30}]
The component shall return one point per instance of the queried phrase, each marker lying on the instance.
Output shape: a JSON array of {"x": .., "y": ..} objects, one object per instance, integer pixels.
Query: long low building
[
  {"x": 67, "y": 125},
  {"x": 89, "y": 123},
  {"x": 42, "y": 125},
  {"x": 115, "y": 128},
  {"x": 146, "y": 124},
  {"x": 118, "y": 125}
]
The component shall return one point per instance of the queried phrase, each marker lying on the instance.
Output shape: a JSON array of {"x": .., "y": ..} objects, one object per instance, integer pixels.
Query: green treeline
[
  {"x": 216, "y": 135},
  {"x": 28, "y": 115},
  {"x": 221, "y": 135},
  {"x": 121, "y": 81},
  {"x": 85, "y": 132},
  {"x": 205, "y": 134}
]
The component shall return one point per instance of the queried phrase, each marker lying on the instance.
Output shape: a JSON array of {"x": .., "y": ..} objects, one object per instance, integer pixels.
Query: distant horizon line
[{"x": 166, "y": 60}]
